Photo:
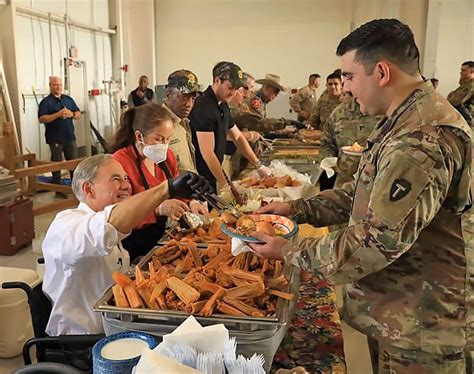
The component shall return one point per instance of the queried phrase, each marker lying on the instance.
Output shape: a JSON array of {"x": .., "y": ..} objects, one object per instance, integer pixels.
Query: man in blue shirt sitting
[{"x": 57, "y": 111}]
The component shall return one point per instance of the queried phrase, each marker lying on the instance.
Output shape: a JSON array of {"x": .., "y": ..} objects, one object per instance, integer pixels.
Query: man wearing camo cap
[
  {"x": 181, "y": 92},
  {"x": 211, "y": 124}
]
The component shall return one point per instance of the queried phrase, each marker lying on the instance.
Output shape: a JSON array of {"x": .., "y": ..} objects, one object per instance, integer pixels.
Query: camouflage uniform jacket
[
  {"x": 324, "y": 107},
  {"x": 236, "y": 112},
  {"x": 304, "y": 99},
  {"x": 346, "y": 125},
  {"x": 181, "y": 143},
  {"x": 402, "y": 257},
  {"x": 252, "y": 116},
  {"x": 464, "y": 96}
]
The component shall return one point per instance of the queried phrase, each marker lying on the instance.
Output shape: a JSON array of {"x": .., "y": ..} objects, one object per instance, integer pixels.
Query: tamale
[
  {"x": 243, "y": 307},
  {"x": 254, "y": 289},
  {"x": 119, "y": 296},
  {"x": 208, "y": 308},
  {"x": 225, "y": 308},
  {"x": 184, "y": 291},
  {"x": 283, "y": 295},
  {"x": 133, "y": 297}
]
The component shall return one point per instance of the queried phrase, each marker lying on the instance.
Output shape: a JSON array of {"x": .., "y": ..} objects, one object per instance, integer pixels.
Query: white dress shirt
[{"x": 81, "y": 250}]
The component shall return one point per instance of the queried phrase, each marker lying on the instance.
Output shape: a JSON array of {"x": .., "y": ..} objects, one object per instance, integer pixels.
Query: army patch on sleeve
[
  {"x": 399, "y": 189},
  {"x": 255, "y": 104}
]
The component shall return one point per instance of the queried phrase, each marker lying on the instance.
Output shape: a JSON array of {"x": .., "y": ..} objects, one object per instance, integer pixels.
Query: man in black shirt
[
  {"x": 211, "y": 123},
  {"x": 142, "y": 94},
  {"x": 57, "y": 111}
]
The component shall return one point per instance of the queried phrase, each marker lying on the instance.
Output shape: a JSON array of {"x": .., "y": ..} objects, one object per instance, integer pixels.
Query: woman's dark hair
[{"x": 143, "y": 118}]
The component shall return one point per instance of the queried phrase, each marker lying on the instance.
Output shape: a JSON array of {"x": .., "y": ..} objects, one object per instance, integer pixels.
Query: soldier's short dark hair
[
  {"x": 380, "y": 39},
  {"x": 469, "y": 64},
  {"x": 334, "y": 76},
  {"x": 314, "y": 76}
]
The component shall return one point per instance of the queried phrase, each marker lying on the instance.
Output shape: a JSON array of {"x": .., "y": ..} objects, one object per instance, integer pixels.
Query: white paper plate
[{"x": 347, "y": 150}]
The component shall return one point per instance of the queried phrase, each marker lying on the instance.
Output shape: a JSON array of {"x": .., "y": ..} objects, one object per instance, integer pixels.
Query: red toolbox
[{"x": 16, "y": 226}]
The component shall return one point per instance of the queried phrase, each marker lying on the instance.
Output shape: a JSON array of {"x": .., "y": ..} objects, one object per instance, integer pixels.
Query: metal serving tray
[
  {"x": 310, "y": 158},
  {"x": 289, "y": 147},
  {"x": 291, "y": 161},
  {"x": 284, "y": 309},
  {"x": 294, "y": 144}
]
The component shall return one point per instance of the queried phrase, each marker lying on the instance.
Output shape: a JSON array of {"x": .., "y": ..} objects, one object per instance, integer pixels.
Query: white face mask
[{"x": 156, "y": 152}]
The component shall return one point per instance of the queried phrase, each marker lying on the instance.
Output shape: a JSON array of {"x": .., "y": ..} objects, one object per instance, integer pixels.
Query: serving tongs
[
  {"x": 238, "y": 197},
  {"x": 220, "y": 205},
  {"x": 268, "y": 142}
]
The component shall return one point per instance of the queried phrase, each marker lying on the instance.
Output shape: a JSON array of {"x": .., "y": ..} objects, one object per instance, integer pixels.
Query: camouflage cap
[
  {"x": 233, "y": 73},
  {"x": 184, "y": 80}
]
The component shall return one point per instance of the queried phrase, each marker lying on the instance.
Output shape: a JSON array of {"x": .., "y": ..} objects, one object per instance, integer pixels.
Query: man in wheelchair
[{"x": 82, "y": 246}]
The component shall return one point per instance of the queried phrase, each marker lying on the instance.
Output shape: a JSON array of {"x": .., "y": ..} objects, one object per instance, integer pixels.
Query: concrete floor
[{"x": 355, "y": 344}]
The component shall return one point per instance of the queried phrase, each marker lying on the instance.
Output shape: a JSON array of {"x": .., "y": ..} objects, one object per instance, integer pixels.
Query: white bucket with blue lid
[{"x": 119, "y": 353}]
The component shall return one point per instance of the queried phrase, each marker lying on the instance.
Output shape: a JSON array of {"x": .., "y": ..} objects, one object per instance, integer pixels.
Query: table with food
[
  {"x": 299, "y": 149},
  {"x": 203, "y": 267}
]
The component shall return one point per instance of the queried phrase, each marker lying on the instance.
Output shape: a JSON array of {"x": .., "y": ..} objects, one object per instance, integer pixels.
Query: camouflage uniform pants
[{"x": 388, "y": 359}]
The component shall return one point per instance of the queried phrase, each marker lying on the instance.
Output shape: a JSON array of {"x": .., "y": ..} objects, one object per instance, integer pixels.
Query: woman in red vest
[{"x": 141, "y": 146}]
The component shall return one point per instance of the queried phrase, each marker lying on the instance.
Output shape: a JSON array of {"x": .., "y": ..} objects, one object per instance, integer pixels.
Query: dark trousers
[
  {"x": 374, "y": 354},
  {"x": 141, "y": 241},
  {"x": 57, "y": 150},
  {"x": 326, "y": 183}
]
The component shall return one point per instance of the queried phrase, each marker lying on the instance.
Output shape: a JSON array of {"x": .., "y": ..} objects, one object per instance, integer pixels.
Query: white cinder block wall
[{"x": 287, "y": 37}]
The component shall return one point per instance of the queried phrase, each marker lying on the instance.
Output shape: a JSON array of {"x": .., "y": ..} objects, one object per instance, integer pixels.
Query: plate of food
[
  {"x": 270, "y": 224},
  {"x": 353, "y": 150}
]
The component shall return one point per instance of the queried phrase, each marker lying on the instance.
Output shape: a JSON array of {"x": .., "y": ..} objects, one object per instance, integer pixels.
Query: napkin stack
[{"x": 192, "y": 348}]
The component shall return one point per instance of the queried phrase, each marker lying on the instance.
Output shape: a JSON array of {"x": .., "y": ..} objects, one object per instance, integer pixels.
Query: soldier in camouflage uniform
[
  {"x": 462, "y": 98},
  {"x": 339, "y": 74},
  {"x": 327, "y": 102},
  {"x": 406, "y": 266},
  {"x": 304, "y": 100},
  {"x": 346, "y": 125},
  {"x": 468, "y": 234},
  {"x": 181, "y": 91},
  {"x": 233, "y": 162},
  {"x": 255, "y": 118}
]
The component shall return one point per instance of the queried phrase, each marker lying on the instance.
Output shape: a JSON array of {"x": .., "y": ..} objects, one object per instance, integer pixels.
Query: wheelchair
[{"x": 72, "y": 350}]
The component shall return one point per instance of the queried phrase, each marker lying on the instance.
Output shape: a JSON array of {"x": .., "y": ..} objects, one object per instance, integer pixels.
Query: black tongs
[{"x": 220, "y": 205}]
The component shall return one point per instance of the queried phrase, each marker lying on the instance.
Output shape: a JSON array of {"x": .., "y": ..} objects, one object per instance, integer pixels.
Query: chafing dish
[{"x": 282, "y": 317}]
